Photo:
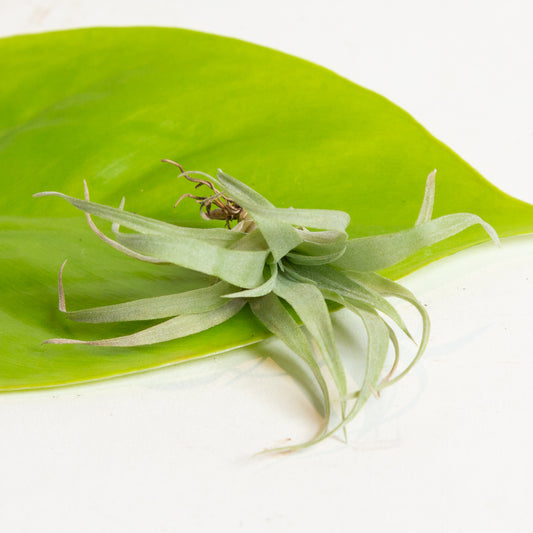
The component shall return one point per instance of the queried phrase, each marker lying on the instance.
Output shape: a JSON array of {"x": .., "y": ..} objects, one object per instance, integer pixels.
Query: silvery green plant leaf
[{"x": 270, "y": 283}]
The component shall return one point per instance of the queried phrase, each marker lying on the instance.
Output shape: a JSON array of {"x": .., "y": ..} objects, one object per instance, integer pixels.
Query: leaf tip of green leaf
[{"x": 63, "y": 341}]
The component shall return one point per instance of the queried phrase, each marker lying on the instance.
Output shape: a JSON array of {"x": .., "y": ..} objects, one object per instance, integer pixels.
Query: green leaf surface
[{"x": 107, "y": 104}]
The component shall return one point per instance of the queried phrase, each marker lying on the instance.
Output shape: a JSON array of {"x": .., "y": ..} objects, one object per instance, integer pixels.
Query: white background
[{"x": 446, "y": 450}]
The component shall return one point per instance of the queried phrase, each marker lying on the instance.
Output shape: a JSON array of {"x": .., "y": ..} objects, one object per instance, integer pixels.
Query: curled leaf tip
[
  {"x": 173, "y": 163},
  {"x": 60, "y": 291}
]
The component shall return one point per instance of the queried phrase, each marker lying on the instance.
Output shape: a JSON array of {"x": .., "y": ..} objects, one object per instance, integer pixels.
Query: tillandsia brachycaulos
[{"x": 282, "y": 263}]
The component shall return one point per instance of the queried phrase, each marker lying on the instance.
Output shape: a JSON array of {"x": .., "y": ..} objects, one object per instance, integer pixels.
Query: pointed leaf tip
[
  {"x": 426, "y": 209},
  {"x": 60, "y": 290}
]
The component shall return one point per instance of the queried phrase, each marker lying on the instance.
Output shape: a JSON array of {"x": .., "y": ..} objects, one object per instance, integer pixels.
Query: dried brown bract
[{"x": 225, "y": 208}]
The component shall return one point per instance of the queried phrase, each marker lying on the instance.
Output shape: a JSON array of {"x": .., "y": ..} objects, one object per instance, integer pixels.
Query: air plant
[{"x": 285, "y": 264}]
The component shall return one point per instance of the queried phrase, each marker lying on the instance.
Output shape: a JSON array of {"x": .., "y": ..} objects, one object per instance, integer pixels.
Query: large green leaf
[{"x": 107, "y": 104}]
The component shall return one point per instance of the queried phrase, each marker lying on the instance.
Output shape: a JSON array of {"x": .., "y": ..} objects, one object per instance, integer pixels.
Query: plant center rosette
[{"x": 286, "y": 264}]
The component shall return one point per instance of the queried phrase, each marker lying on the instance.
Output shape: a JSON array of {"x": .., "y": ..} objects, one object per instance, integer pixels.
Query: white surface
[{"x": 447, "y": 450}]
